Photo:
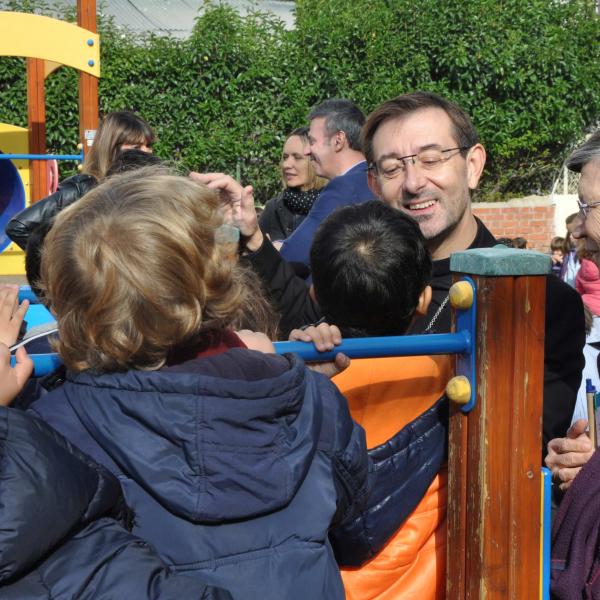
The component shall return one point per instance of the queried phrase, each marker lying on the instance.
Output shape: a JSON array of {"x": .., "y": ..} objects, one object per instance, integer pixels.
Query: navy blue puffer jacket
[
  {"x": 55, "y": 540},
  {"x": 235, "y": 465}
]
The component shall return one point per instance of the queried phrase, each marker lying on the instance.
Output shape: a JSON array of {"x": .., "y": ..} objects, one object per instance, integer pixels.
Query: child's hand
[
  {"x": 325, "y": 337},
  {"x": 12, "y": 379},
  {"x": 11, "y": 313},
  {"x": 322, "y": 335}
]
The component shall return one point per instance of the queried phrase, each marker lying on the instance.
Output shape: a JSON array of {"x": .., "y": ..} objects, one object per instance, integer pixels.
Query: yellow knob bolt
[
  {"x": 80, "y": 146},
  {"x": 459, "y": 389},
  {"x": 461, "y": 295}
]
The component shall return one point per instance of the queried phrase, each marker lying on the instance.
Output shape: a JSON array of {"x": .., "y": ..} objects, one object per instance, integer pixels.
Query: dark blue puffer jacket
[
  {"x": 56, "y": 540},
  {"x": 235, "y": 465}
]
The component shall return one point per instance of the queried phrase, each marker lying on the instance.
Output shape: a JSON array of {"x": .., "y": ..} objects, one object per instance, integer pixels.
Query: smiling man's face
[{"x": 439, "y": 198}]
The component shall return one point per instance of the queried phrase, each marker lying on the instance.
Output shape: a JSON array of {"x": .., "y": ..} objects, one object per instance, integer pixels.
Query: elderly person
[{"x": 567, "y": 455}]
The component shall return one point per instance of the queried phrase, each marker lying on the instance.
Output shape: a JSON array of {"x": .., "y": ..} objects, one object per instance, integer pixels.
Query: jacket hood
[
  {"x": 231, "y": 440},
  {"x": 47, "y": 490}
]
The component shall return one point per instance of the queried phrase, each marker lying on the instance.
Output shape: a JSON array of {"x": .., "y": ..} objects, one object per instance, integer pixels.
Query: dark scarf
[{"x": 299, "y": 202}]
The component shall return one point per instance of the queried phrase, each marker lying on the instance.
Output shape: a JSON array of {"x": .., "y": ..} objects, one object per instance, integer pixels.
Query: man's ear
[
  {"x": 373, "y": 183},
  {"x": 311, "y": 293},
  {"x": 424, "y": 301},
  {"x": 339, "y": 141},
  {"x": 475, "y": 163}
]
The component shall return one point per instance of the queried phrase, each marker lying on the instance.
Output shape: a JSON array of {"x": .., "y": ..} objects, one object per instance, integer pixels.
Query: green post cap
[{"x": 500, "y": 261}]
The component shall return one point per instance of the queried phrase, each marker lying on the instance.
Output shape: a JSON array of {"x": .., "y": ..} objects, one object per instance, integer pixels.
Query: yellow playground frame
[{"x": 48, "y": 44}]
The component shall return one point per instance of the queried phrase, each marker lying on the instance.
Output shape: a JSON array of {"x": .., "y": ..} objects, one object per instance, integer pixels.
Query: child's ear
[{"x": 424, "y": 300}]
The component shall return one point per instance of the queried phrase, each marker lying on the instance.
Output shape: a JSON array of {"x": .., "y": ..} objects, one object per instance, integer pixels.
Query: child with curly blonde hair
[{"x": 234, "y": 463}]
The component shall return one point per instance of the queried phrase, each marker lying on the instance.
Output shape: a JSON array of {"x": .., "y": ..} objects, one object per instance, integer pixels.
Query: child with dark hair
[
  {"x": 520, "y": 243},
  {"x": 129, "y": 160},
  {"x": 557, "y": 245},
  {"x": 370, "y": 270},
  {"x": 371, "y": 274},
  {"x": 505, "y": 241}
]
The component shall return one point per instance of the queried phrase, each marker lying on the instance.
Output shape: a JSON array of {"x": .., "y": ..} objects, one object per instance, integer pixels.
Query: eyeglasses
[
  {"x": 428, "y": 160},
  {"x": 585, "y": 208}
]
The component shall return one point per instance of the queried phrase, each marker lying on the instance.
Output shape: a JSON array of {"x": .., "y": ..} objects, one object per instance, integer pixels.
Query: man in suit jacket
[{"x": 335, "y": 150}]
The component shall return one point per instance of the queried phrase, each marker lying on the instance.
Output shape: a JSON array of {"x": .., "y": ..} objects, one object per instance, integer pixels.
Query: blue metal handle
[
  {"x": 43, "y": 364},
  {"x": 25, "y": 293},
  {"x": 78, "y": 157},
  {"x": 404, "y": 345},
  {"x": 546, "y": 529}
]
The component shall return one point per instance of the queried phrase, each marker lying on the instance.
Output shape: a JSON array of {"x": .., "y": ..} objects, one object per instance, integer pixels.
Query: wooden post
[
  {"x": 88, "y": 84},
  {"x": 494, "y": 480},
  {"x": 36, "y": 116}
]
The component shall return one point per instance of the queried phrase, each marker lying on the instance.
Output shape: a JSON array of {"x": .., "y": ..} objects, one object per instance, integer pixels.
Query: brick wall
[{"x": 532, "y": 218}]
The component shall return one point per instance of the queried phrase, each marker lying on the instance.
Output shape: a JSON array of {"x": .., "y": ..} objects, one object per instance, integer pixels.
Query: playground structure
[
  {"x": 27, "y": 173},
  {"x": 498, "y": 497}
]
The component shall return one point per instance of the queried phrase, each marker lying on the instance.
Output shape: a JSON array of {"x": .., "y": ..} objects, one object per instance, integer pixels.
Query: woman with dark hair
[
  {"x": 118, "y": 131},
  {"x": 284, "y": 213}
]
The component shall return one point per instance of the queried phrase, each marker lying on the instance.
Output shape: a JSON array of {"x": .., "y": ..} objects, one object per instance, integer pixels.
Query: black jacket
[
  {"x": 565, "y": 327},
  {"x": 563, "y": 344},
  {"x": 21, "y": 226},
  {"x": 277, "y": 220},
  {"x": 58, "y": 539}
]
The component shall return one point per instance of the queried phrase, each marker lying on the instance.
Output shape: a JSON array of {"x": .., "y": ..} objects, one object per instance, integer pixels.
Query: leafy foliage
[{"x": 224, "y": 98}]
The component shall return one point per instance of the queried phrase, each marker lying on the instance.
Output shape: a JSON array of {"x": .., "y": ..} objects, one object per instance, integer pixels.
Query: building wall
[{"x": 536, "y": 218}]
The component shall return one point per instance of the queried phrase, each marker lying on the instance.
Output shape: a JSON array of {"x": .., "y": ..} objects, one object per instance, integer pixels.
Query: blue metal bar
[
  {"x": 25, "y": 293},
  {"x": 78, "y": 157},
  {"x": 409, "y": 345},
  {"x": 404, "y": 345},
  {"x": 43, "y": 364},
  {"x": 546, "y": 529}
]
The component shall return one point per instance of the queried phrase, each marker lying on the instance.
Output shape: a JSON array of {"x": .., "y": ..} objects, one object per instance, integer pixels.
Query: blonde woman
[
  {"x": 284, "y": 213},
  {"x": 118, "y": 131}
]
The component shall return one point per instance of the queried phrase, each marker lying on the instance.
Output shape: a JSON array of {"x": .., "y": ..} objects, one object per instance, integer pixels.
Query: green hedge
[{"x": 224, "y": 99}]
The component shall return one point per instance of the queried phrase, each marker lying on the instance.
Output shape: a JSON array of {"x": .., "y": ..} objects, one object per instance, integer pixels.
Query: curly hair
[{"x": 133, "y": 272}]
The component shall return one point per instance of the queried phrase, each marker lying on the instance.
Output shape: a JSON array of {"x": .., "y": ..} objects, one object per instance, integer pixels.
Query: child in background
[
  {"x": 571, "y": 260},
  {"x": 505, "y": 241},
  {"x": 557, "y": 245}
]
